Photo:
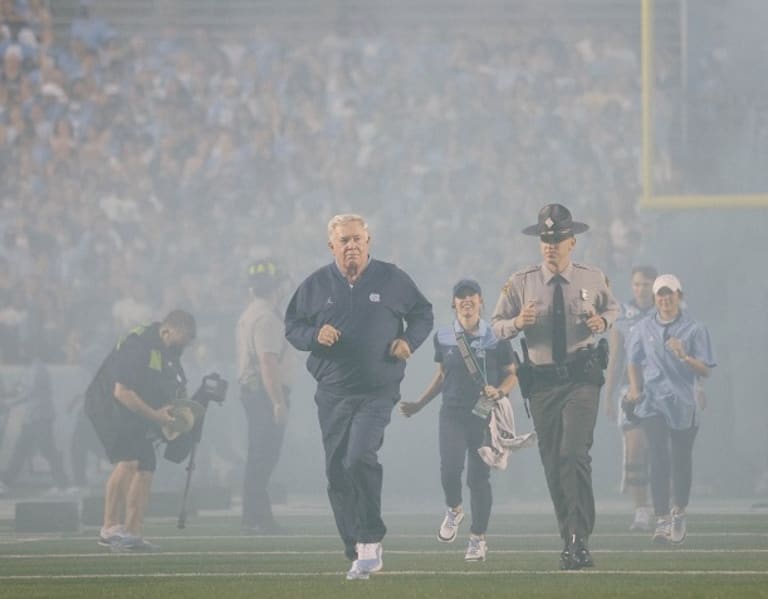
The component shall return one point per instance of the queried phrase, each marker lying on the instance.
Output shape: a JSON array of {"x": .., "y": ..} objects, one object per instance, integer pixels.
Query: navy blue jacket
[{"x": 370, "y": 315}]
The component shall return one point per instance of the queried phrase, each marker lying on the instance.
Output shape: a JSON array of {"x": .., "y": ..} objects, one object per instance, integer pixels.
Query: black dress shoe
[
  {"x": 576, "y": 556},
  {"x": 583, "y": 557}
]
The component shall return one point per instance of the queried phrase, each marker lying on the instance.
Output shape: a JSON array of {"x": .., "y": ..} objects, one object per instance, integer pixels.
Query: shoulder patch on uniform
[{"x": 520, "y": 274}]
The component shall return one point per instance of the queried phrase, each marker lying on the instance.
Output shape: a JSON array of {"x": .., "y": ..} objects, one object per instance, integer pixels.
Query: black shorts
[{"x": 132, "y": 444}]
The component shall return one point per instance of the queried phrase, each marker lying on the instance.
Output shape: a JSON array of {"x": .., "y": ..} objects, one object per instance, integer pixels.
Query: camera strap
[{"x": 470, "y": 360}]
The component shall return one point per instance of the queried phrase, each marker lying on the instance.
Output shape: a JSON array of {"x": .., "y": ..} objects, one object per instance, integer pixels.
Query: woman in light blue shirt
[{"x": 666, "y": 352}]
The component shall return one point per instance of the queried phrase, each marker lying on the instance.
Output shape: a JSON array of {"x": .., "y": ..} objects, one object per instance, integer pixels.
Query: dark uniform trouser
[
  {"x": 461, "y": 433},
  {"x": 352, "y": 427},
  {"x": 564, "y": 417},
  {"x": 264, "y": 441},
  {"x": 665, "y": 443}
]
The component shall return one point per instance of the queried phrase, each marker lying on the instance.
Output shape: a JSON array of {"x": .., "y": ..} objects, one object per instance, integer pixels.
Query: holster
[
  {"x": 524, "y": 370},
  {"x": 524, "y": 375}
]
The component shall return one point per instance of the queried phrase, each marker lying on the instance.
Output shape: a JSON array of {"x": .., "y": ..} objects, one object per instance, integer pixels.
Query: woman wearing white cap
[{"x": 666, "y": 352}]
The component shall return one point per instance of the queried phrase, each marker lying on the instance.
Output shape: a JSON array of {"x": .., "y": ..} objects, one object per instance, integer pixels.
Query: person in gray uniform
[
  {"x": 561, "y": 307},
  {"x": 264, "y": 373}
]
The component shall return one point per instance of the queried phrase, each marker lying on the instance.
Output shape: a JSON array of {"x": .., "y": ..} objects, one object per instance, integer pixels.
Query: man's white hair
[{"x": 343, "y": 219}]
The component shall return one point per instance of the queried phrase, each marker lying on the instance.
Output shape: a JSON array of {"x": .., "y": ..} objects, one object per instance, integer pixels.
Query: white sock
[{"x": 116, "y": 530}]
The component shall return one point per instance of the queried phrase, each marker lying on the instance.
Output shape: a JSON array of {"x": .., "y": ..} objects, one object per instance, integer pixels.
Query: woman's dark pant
[
  {"x": 671, "y": 458},
  {"x": 264, "y": 441},
  {"x": 461, "y": 434}
]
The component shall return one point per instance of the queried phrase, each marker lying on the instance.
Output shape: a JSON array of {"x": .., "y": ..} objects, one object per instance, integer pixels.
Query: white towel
[{"x": 501, "y": 437}]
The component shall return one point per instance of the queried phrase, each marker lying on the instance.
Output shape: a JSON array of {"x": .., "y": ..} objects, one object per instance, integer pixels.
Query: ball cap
[
  {"x": 555, "y": 224},
  {"x": 671, "y": 282},
  {"x": 467, "y": 284}
]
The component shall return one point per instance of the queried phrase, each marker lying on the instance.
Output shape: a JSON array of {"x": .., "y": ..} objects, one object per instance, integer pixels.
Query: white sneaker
[
  {"x": 663, "y": 530},
  {"x": 642, "y": 521},
  {"x": 678, "y": 528},
  {"x": 476, "y": 550},
  {"x": 450, "y": 526},
  {"x": 129, "y": 543},
  {"x": 369, "y": 559},
  {"x": 111, "y": 535}
]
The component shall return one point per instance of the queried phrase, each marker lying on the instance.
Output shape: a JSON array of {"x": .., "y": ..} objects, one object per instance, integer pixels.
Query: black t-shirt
[
  {"x": 459, "y": 389},
  {"x": 141, "y": 363}
]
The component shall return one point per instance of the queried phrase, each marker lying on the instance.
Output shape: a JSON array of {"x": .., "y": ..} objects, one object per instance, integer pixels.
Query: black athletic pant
[
  {"x": 461, "y": 434},
  {"x": 671, "y": 459}
]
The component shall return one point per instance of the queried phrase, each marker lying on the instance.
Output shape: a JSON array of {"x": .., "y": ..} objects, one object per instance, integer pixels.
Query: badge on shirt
[
  {"x": 584, "y": 293},
  {"x": 374, "y": 297}
]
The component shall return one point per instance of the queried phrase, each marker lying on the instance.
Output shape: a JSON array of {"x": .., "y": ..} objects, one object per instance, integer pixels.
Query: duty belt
[{"x": 571, "y": 370}]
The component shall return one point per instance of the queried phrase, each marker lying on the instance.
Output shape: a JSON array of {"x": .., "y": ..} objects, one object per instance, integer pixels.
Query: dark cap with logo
[
  {"x": 466, "y": 285},
  {"x": 555, "y": 224}
]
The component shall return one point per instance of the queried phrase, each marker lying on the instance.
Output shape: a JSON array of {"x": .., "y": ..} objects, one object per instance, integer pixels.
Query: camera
[{"x": 214, "y": 387}]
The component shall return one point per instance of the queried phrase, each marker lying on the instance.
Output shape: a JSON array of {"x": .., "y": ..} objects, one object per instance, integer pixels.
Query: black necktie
[{"x": 558, "y": 322}]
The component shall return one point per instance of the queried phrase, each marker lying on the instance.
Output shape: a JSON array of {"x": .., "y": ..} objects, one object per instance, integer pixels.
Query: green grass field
[{"x": 725, "y": 555}]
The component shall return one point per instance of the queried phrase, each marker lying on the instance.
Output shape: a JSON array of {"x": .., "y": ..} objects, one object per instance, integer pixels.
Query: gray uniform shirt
[
  {"x": 585, "y": 290},
  {"x": 260, "y": 330}
]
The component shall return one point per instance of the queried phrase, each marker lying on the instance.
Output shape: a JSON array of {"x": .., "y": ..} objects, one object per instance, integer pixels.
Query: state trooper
[{"x": 561, "y": 307}]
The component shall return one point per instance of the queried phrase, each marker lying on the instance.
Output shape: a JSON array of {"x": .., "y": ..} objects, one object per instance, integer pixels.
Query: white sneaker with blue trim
[
  {"x": 133, "y": 544},
  {"x": 109, "y": 536},
  {"x": 476, "y": 550},
  {"x": 450, "y": 526},
  {"x": 369, "y": 560},
  {"x": 679, "y": 529}
]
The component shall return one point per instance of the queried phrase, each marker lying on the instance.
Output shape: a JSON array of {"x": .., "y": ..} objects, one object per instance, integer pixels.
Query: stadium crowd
[{"x": 127, "y": 160}]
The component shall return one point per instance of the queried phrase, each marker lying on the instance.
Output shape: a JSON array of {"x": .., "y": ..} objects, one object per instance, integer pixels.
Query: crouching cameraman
[{"x": 128, "y": 403}]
